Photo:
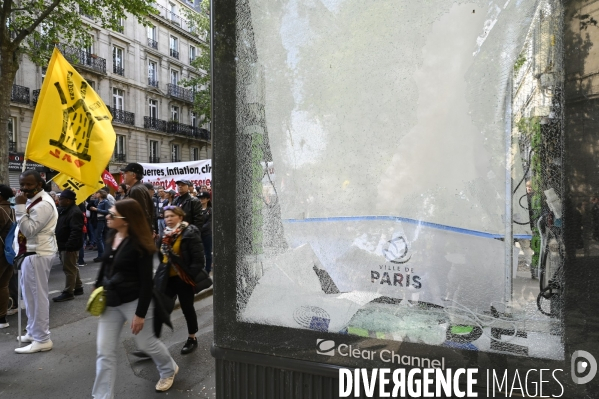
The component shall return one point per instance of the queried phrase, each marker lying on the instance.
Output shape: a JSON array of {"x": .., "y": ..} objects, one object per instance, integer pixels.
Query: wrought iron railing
[
  {"x": 154, "y": 124},
  {"x": 12, "y": 146},
  {"x": 154, "y": 159},
  {"x": 152, "y": 43},
  {"x": 19, "y": 94},
  {"x": 180, "y": 92},
  {"x": 174, "y": 53},
  {"x": 120, "y": 116},
  {"x": 180, "y": 129},
  {"x": 152, "y": 82},
  {"x": 120, "y": 157},
  {"x": 176, "y": 20},
  {"x": 201, "y": 134},
  {"x": 83, "y": 58},
  {"x": 118, "y": 69},
  {"x": 34, "y": 96}
]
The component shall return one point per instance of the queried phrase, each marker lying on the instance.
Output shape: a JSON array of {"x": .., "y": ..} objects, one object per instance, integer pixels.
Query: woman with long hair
[
  {"x": 182, "y": 268},
  {"x": 126, "y": 275}
]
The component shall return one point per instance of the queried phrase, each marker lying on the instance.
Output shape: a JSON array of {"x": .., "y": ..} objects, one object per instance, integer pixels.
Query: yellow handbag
[{"x": 96, "y": 302}]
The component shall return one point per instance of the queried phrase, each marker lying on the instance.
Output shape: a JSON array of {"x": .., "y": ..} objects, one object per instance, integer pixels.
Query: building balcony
[
  {"x": 176, "y": 20},
  {"x": 201, "y": 134},
  {"x": 120, "y": 157},
  {"x": 154, "y": 159},
  {"x": 34, "y": 96},
  {"x": 152, "y": 82},
  {"x": 154, "y": 124},
  {"x": 118, "y": 69},
  {"x": 120, "y": 116},
  {"x": 152, "y": 43},
  {"x": 174, "y": 53},
  {"x": 19, "y": 94},
  {"x": 180, "y": 93},
  {"x": 83, "y": 58},
  {"x": 180, "y": 129},
  {"x": 12, "y": 146}
]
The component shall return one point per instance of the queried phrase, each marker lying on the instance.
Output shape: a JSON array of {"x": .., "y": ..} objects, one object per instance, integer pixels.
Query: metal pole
[{"x": 509, "y": 233}]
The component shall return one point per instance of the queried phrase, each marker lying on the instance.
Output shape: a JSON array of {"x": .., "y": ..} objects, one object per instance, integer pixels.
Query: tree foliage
[
  {"x": 35, "y": 26},
  {"x": 200, "y": 22}
]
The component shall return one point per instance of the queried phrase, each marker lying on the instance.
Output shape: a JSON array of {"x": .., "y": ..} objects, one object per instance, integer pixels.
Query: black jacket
[
  {"x": 69, "y": 229},
  {"x": 191, "y": 258},
  {"x": 140, "y": 193},
  {"x": 126, "y": 275},
  {"x": 206, "y": 229},
  {"x": 192, "y": 208}
]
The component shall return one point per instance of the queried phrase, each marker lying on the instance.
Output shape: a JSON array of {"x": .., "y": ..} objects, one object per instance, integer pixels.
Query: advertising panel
[{"x": 409, "y": 205}]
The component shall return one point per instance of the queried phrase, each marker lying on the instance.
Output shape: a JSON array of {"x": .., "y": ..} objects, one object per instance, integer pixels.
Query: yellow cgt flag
[
  {"x": 81, "y": 190},
  {"x": 71, "y": 130}
]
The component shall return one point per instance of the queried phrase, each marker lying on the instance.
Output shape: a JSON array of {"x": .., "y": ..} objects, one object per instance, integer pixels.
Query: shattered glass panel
[{"x": 399, "y": 170}]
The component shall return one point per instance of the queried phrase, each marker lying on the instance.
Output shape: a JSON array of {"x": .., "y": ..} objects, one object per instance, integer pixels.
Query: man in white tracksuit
[{"x": 36, "y": 219}]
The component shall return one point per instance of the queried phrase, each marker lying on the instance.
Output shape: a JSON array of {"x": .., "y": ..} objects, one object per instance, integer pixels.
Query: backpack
[{"x": 9, "y": 251}]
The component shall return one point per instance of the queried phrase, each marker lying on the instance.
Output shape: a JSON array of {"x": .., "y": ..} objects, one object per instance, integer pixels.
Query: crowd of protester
[{"x": 128, "y": 231}]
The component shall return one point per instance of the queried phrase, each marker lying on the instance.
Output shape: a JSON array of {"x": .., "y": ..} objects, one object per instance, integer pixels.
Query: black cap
[
  {"x": 204, "y": 194},
  {"x": 134, "y": 167},
  {"x": 6, "y": 192},
  {"x": 68, "y": 194},
  {"x": 186, "y": 182},
  {"x": 172, "y": 192}
]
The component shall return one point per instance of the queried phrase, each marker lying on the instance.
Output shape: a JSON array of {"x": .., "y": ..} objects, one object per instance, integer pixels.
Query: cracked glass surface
[{"x": 385, "y": 150}]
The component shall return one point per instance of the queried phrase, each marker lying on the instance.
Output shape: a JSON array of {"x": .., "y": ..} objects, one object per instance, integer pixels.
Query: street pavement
[{"x": 68, "y": 370}]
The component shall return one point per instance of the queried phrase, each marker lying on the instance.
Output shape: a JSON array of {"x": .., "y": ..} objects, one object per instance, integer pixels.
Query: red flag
[{"x": 109, "y": 180}]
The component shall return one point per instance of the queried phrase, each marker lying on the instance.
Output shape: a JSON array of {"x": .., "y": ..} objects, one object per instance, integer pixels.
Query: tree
[
  {"x": 34, "y": 27},
  {"x": 200, "y": 22}
]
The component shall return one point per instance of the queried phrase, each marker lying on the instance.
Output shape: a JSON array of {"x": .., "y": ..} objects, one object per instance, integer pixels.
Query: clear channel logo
[
  {"x": 325, "y": 347},
  {"x": 584, "y": 367}
]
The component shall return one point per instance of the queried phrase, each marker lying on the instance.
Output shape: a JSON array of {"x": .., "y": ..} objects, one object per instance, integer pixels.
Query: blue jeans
[
  {"x": 109, "y": 331},
  {"x": 207, "y": 241},
  {"x": 100, "y": 226},
  {"x": 161, "y": 227},
  {"x": 90, "y": 233},
  {"x": 81, "y": 261}
]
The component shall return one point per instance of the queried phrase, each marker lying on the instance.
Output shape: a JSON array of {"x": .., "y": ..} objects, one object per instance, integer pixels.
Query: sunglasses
[
  {"x": 169, "y": 207},
  {"x": 114, "y": 216}
]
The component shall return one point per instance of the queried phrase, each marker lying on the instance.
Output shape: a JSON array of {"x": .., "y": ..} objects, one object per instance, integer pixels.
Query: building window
[
  {"x": 120, "y": 22},
  {"x": 174, "y": 113},
  {"x": 152, "y": 41},
  {"x": 153, "y": 104},
  {"x": 152, "y": 74},
  {"x": 154, "y": 155},
  {"x": 172, "y": 8},
  {"x": 192, "y": 53},
  {"x": 120, "y": 151},
  {"x": 176, "y": 153},
  {"x": 91, "y": 84},
  {"x": 195, "y": 154},
  {"x": 174, "y": 46},
  {"x": 174, "y": 77},
  {"x": 118, "y": 61},
  {"x": 12, "y": 134},
  {"x": 118, "y": 99}
]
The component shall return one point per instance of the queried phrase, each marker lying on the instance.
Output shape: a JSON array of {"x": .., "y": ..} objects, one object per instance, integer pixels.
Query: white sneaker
[
  {"x": 25, "y": 338},
  {"x": 164, "y": 384},
  {"x": 3, "y": 325},
  {"x": 35, "y": 347}
]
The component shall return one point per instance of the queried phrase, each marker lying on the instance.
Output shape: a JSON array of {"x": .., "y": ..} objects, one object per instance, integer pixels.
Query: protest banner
[{"x": 167, "y": 174}]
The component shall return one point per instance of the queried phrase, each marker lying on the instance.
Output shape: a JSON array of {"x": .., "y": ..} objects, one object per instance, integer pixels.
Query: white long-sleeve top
[{"x": 37, "y": 225}]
